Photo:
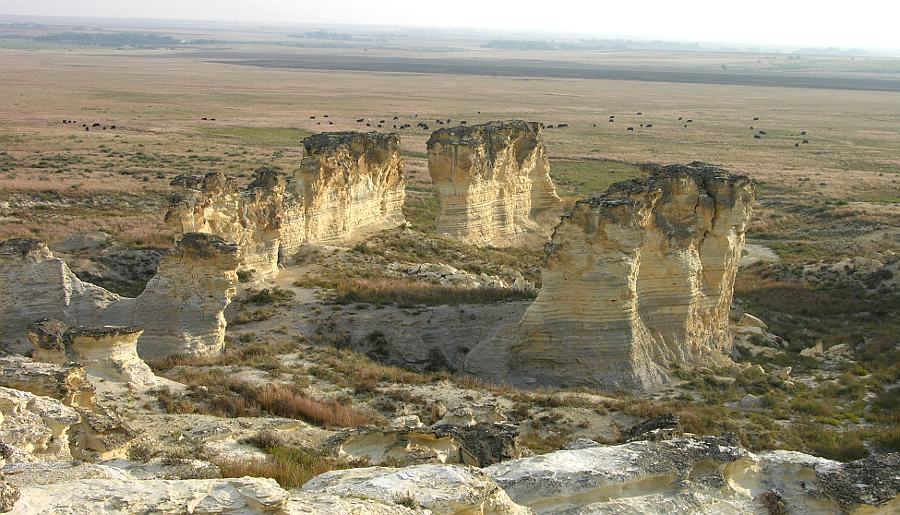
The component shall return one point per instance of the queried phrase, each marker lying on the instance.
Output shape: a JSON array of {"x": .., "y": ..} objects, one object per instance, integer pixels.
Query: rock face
[
  {"x": 251, "y": 217},
  {"x": 34, "y": 427},
  {"x": 351, "y": 182},
  {"x": 100, "y": 432},
  {"x": 636, "y": 281},
  {"x": 493, "y": 184},
  {"x": 348, "y": 183},
  {"x": 180, "y": 310}
]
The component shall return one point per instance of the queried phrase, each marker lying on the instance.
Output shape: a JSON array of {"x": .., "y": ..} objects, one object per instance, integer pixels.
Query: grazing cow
[
  {"x": 379, "y": 125},
  {"x": 563, "y": 126},
  {"x": 803, "y": 133},
  {"x": 549, "y": 126},
  {"x": 756, "y": 118},
  {"x": 104, "y": 127},
  {"x": 96, "y": 125},
  {"x": 797, "y": 144},
  {"x": 380, "y": 121},
  {"x": 87, "y": 129},
  {"x": 685, "y": 126},
  {"x": 212, "y": 119},
  {"x": 479, "y": 112},
  {"x": 330, "y": 123},
  {"x": 649, "y": 125},
  {"x": 751, "y": 127},
  {"x": 757, "y": 136},
  {"x": 396, "y": 117},
  {"x": 630, "y": 129},
  {"x": 611, "y": 120},
  {"x": 395, "y": 125},
  {"x": 639, "y": 113},
  {"x": 690, "y": 121},
  {"x": 763, "y": 132},
  {"x": 65, "y": 121},
  {"x": 642, "y": 125},
  {"x": 805, "y": 141},
  {"x": 595, "y": 125},
  {"x": 204, "y": 118},
  {"x": 679, "y": 118},
  {"x": 312, "y": 117},
  {"x": 463, "y": 122},
  {"x": 84, "y": 125},
  {"x": 326, "y": 116},
  {"x": 360, "y": 120},
  {"x": 368, "y": 125}
]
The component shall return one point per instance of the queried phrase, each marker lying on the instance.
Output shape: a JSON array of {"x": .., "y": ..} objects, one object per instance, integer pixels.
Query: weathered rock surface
[
  {"x": 478, "y": 445},
  {"x": 100, "y": 431},
  {"x": 251, "y": 217},
  {"x": 110, "y": 353},
  {"x": 441, "y": 488},
  {"x": 348, "y": 184},
  {"x": 636, "y": 281},
  {"x": 34, "y": 427},
  {"x": 696, "y": 475},
  {"x": 493, "y": 184},
  {"x": 180, "y": 310},
  {"x": 110, "y": 496},
  {"x": 329, "y": 504},
  {"x": 351, "y": 183}
]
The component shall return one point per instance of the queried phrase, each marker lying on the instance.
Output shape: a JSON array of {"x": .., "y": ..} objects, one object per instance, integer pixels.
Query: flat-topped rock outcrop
[
  {"x": 493, "y": 184},
  {"x": 351, "y": 183},
  {"x": 180, "y": 310},
  {"x": 636, "y": 282},
  {"x": 348, "y": 184}
]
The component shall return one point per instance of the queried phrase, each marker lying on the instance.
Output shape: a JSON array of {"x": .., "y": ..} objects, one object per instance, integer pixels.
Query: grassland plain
[{"x": 831, "y": 198}]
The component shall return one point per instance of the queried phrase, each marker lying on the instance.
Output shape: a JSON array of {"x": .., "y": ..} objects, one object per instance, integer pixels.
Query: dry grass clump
[
  {"x": 211, "y": 392},
  {"x": 292, "y": 466},
  {"x": 249, "y": 355}
]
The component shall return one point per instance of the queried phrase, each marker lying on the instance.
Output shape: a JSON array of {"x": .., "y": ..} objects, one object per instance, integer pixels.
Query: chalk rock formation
[
  {"x": 111, "y": 496},
  {"x": 493, "y": 184},
  {"x": 180, "y": 310},
  {"x": 636, "y": 281},
  {"x": 440, "y": 488},
  {"x": 100, "y": 432},
  {"x": 250, "y": 217},
  {"x": 351, "y": 182},
  {"x": 34, "y": 427},
  {"x": 110, "y": 353},
  {"x": 695, "y": 475}
]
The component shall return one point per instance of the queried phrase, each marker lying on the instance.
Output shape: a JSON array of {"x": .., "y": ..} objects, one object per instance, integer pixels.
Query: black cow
[
  {"x": 563, "y": 126},
  {"x": 805, "y": 141},
  {"x": 763, "y": 132},
  {"x": 630, "y": 129},
  {"x": 649, "y": 125},
  {"x": 757, "y": 136},
  {"x": 360, "y": 120},
  {"x": 756, "y": 118}
]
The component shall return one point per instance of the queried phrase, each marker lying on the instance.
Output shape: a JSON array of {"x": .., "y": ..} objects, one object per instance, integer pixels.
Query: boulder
[
  {"x": 329, "y": 504},
  {"x": 109, "y": 353},
  {"x": 493, "y": 184},
  {"x": 636, "y": 282},
  {"x": 440, "y": 488}
]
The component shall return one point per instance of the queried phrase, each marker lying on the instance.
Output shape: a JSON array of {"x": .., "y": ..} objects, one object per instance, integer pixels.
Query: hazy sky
[{"x": 846, "y": 23}]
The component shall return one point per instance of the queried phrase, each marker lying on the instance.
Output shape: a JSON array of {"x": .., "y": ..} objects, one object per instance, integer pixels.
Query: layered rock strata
[
  {"x": 33, "y": 427},
  {"x": 180, "y": 310},
  {"x": 348, "y": 183},
  {"x": 351, "y": 183},
  {"x": 636, "y": 281},
  {"x": 493, "y": 184},
  {"x": 251, "y": 217}
]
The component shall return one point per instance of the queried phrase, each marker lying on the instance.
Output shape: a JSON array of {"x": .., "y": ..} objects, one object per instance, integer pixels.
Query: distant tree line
[{"x": 113, "y": 39}]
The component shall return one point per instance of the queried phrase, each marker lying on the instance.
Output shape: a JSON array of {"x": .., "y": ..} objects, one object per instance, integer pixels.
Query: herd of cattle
[{"x": 383, "y": 123}]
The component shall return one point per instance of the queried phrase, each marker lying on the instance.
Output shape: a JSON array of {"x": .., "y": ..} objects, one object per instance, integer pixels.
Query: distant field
[{"x": 565, "y": 70}]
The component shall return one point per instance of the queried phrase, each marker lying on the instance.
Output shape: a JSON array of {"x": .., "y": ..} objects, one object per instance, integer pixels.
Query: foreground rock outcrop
[
  {"x": 348, "y": 184},
  {"x": 637, "y": 281},
  {"x": 493, "y": 184},
  {"x": 180, "y": 310}
]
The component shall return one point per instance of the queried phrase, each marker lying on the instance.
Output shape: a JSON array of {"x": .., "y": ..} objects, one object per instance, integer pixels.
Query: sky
[{"x": 870, "y": 24}]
